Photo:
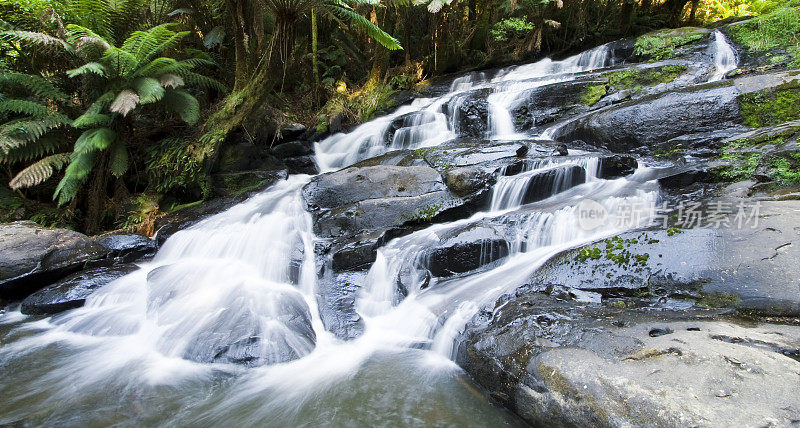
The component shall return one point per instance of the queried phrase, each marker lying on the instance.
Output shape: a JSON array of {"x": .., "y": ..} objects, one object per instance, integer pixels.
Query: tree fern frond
[
  {"x": 183, "y": 104},
  {"x": 349, "y": 15},
  {"x": 102, "y": 102},
  {"x": 30, "y": 108},
  {"x": 31, "y": 37},
  {"x": 32, "y": 150},
  {"x": 39, "y": 172},
  {"x": 148, "y": 89},
  {"x": 15, "y": 133},
  {"x": 171, "y": 81},
  {"x": 83, "y": 37},
  {"x": 90, "y": 120},
  {"x": 118, "y": 162},
  {"x": 121, "y": 62},
  {"x": 94, "y": 139},
  {"x": 125, "y": 102},
  {"x": 33, "y": 83},
  {"x": 89, "y": 67},
  {"x": 75, "y": 176},
  {"x": 198, "y": 80},
  {"x": 156, "y": 67}
]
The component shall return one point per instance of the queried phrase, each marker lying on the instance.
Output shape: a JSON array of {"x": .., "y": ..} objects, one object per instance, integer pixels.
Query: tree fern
[
  {"x": 39, "y": 172},
  {"x": 35, "y": 84},
  {"x": 118, "y": 162},
  {"x": 26, "y": 107},
  {"x": 345, "y": 13},
  {"x": 91, "y": 120},
  {"x": 183, "y": 104},
  {"x": 148, "y": 89},
  {"x": 89, "y": 67}
]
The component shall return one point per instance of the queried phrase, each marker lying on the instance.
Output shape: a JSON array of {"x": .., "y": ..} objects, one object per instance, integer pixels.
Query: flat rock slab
[
  {"x": 71, "y": 292},
  {"x": 31, "y": 256},
  {"x": 557, "y": 363},
  {"x": 750, "y": 268}
]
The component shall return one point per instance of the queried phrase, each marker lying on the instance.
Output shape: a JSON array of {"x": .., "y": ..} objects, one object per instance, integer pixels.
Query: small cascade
[
  {"x": 515, "y": 84},
  {"x": 725, "y": 58},
  {"x": 510, "y": 191}
]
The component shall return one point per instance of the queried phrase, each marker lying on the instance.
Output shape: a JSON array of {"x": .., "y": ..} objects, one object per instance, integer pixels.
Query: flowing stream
[{"x": 244, "y": 281}]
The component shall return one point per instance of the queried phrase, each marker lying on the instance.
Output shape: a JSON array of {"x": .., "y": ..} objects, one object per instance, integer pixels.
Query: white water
[
  {"x": 153, "y": 337},
  {"x": 725, "y": 58}
]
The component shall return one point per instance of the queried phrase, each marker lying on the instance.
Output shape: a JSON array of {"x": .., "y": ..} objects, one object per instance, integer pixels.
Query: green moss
[
  {"x": 662, "y": 45},
  {"x": 635, "y": 78},
  {"x": 719, "y": 300},
  {"x": 426, "y": 213},
  {"x": 771, "y": 107},
  {"x": 593, "y": 94},
  {"x": 746, "y": 156},
  {"x": 778, "y": 28}
]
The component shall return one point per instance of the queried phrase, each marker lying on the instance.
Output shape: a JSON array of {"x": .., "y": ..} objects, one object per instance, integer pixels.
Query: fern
[
  {"x": 148, "y": 89},
  {"x": 183, "y": 104},
  {"x": 35, "y": 84},
  {"x": 89, "y": 67},
  {"x": 29, "y": 37},
  {"x": 39, "y": 172},
  {"x": 346, "y": 13},
  {"x": 118, "y": 162},
  {"x": 125, "y": 102},
  {"x": 30, "y": 108},
  {"x": 90, "y": 120}
]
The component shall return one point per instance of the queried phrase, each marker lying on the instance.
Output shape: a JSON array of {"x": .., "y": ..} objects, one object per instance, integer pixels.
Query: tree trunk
[{"x": 314, "y": 58}]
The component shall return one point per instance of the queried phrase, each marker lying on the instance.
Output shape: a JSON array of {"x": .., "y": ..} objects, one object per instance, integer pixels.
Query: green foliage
[
  {"x": 662, "y": 45},
  {"x": 781, "y": 27},
  {"x": 171, "y": 166},
  {"x": 771, "y": 107},
  {"x": 511, "y": 28}
]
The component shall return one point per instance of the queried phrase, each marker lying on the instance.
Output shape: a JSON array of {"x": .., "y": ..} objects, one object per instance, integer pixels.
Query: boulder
[
  {"x": 560, "y": 363},
  {"x": 466, "y": 180},
  {"x": 751, "y": 269},
  {"x": 336, "y": 299},
  {"x": 72, "y": 291},
  {"x": 31, "y": 256},
  {"x": 651, "y": 120},
  {"x": 362, "y": 199},
  {"x": 125, "y": 248}
]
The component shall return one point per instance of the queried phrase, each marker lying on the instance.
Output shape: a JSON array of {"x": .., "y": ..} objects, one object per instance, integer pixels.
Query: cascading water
[
  {"x": 725, "y": 58},
  {"x": 157, "y": 346},
  {"x": 513, "y": 86}
]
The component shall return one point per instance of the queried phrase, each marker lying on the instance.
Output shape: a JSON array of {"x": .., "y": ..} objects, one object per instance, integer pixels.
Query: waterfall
[
  {"x": 514, "y": 85},
  {"x": 509, "y": 192},
  {"x": 725, "y": 58},
  {"x": 225, "y": 316}
]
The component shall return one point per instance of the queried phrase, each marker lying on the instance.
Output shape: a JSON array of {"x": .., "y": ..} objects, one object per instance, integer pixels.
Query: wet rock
[
  {"x": 31, "y": 256},
  {"x": 546, "y": 104},
  {"x": 466, "y": 180},
  {"x": 245, "y": 157},
  {"x": 466, "y": 256},
  {"x": 362, "y": 199},
  {"x": 750, "y": 268},
  {"x": 617, "y": 166},
  {"x": 336, "y": 297},
  {"x": 652, "y": 120},
  {"x": 292, "y": 149},
  {"x": 301, "y": 165},
  {"x": 561, "y": 150},
  {"x": 291, "y": 131},
  {"x": 72, "y": 291},
  {"x": 126, "y": 248},
  {"x": 558, "y": 363},
  {"x": 470, "y": 113}
]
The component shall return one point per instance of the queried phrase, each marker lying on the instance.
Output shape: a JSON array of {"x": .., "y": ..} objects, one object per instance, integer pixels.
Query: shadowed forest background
[{"x": 113, "y": 113}]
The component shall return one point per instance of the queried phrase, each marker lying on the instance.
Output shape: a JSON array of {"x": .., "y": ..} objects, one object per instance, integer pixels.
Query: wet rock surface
[
  {"x": 126, "y": 248},
  {"x": 72, "y": 291},
  {"x": 31, "y": 256},
  {"x": 558, "y": 363}
]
